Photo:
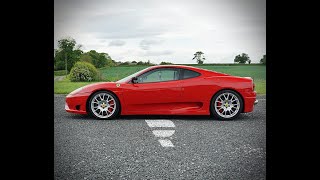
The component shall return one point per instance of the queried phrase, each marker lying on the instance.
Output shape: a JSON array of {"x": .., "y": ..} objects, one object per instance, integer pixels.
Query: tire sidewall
[
  {"x": 213, "y": 111},
  {"x": 115, "y": 114}
]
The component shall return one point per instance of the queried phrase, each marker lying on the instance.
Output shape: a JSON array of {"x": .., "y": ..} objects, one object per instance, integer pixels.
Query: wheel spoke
[
  {"x": 103, "y": 112},
  {"x": 234, "y": 105}
]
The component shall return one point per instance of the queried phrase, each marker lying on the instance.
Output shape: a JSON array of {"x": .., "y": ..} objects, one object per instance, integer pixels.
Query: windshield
[{"x": 131, "y": 76}]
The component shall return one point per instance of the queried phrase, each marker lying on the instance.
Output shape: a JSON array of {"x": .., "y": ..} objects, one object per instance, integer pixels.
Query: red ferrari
[{"x": 166, "y": 90}]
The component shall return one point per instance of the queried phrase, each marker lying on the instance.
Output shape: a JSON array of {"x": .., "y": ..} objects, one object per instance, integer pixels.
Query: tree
[
  {"x": 86, "y": 58},
  {"x": 264, "y": 59},
  {"x": 97, "y": 59},
  {"x": 199, "y": 57},
  {"x": 134, "y": 62},
  {"x": 125, "y": 63},
  {"x": 242, "y": 59},
  {"x": 67, "y": 54}
]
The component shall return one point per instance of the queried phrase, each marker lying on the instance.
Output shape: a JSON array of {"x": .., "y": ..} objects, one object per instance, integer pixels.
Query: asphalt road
[{"x": 127, "y": 148}]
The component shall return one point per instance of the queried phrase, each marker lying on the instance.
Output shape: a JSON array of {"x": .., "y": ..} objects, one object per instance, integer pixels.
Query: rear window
[{"x": 186, "y": 74}]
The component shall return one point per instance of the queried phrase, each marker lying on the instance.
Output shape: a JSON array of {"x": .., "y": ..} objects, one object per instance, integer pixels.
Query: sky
[{"x": 164, "y": 30}]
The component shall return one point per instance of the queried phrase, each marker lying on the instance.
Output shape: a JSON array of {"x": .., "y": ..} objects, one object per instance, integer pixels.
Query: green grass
[
  {"x": 60, "y": 73},
  {"x": 66, "y": 86},
  {"x": 119, "y": 72},
  {"x": 260, "y": 86},
  {"x": 258, "y": 72}
]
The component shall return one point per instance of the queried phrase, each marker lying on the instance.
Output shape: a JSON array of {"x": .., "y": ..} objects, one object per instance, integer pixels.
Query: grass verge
[
  {"x": 60, "y": 73},
  {"x": 66, "y": 86}
]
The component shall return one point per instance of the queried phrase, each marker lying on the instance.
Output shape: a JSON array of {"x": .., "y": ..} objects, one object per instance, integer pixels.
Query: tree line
[
  {"x": 68, "y": 53},
  {"x": 241, "y": 58}
]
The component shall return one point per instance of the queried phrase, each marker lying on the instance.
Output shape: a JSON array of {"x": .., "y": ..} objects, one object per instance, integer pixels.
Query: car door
[
  {"x": 154, "y": 92},
  {"x": 191, "y": 85}
]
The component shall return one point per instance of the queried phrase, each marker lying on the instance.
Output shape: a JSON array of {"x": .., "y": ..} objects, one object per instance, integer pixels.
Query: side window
[
  {"x": 189, "y": 74},
  {"x": 159, "y": 75}
]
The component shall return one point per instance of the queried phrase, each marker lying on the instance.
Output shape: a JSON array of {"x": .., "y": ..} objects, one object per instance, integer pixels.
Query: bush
[{"x": 83, "y": 71}]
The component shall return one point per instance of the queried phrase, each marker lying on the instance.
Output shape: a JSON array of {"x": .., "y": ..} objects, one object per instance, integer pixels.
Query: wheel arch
[
  {"x": 230, "y": 89},
  {"x": 97, "y": 90}
]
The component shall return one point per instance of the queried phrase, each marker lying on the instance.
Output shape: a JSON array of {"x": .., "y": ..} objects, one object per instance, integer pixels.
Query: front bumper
[{"x": 76, "y": 103}]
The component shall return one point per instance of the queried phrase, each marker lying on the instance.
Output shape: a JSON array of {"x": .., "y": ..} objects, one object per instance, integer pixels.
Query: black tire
[
  {"x": 114, "y": 112},
  {"x": 237, "y": 110}
]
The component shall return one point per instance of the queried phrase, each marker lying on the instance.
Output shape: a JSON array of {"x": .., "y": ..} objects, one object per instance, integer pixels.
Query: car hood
[{"x": 92, "y": 87}]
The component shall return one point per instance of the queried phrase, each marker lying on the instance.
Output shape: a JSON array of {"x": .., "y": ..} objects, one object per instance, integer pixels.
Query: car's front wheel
[
  {"x": 103, "y": 105},
  {"x": 226, "y": 105}
]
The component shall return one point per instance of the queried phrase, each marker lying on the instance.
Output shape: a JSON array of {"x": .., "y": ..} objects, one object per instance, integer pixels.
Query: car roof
[
  {"x": 184, "y": 67},
  {"x": 205, "y": 72},
  {"x": 176, "y": 66}
]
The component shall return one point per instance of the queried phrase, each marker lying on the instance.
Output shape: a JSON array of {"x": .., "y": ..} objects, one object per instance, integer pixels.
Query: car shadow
[
  {"x": 241, "y": 117},
  {"x": 172, "y": 117}
]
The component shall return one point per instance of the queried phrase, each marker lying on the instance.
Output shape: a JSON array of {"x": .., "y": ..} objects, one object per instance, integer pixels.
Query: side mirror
[{"x": 134, "y": 80}]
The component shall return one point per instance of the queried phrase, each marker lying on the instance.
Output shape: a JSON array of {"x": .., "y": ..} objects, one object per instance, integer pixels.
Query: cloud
[
  {"x": 117, "y": 43},
  {"x": 127, "y": 25},
  {"x": 218, "y": 28},
  {"x": 146, "y": 43},
  {"x": 158, "y": 53}
]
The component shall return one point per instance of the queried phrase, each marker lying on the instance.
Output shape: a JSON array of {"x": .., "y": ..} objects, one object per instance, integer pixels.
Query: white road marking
[
  {"x": 163, "y": 133},
  {"x": 165, "y": 143},
  {"x": 160, "y": 123}
]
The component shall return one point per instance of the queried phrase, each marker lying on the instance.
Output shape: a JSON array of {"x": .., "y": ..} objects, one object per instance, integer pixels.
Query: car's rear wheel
[
  {"x": 226, "y": 105},
  {"x": 103, "y": 105}
]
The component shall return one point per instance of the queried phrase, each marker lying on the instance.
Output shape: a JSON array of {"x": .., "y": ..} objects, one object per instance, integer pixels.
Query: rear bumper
[{"x": 249, "y": 101}]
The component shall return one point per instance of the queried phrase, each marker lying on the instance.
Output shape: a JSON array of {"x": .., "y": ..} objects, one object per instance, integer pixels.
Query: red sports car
[{"x": 166, "y": 90}]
